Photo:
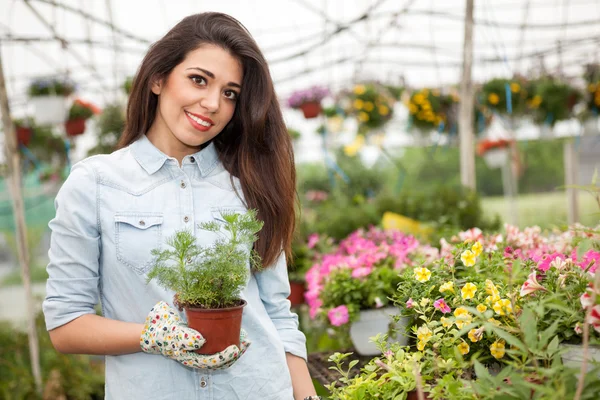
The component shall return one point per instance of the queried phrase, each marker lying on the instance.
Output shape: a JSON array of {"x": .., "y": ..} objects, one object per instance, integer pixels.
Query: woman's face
[{"x": 196, "y": 101}]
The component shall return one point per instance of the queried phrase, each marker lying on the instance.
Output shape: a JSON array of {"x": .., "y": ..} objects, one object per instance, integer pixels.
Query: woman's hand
[{"x": 164, "y": 333}]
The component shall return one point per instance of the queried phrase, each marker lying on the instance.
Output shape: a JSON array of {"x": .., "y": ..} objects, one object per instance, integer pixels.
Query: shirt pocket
[{"x": 136, "y": 234}]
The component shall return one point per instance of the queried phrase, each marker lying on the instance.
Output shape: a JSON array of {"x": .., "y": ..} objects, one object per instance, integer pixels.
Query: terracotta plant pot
[
  {"x": 311, "y": 109},
  {"x": 220, "y": 327},
  {"x": 414, "y": 396},
  {"x": 297, "y": 292},
  {"x": 23, "y": 135},
  {"x": 75, "y": 127}
]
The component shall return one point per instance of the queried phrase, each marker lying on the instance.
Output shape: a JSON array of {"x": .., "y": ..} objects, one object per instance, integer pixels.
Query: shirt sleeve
[
  {"x": 274, "y": 289},
  {"x": 72, "y": 286}
]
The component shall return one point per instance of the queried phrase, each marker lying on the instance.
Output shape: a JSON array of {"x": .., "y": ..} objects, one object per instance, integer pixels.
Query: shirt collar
[{"x": 152, "y": 159}]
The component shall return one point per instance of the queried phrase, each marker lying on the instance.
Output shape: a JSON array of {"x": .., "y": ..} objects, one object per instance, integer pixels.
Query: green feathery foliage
[{"x": 209, "y": 277}]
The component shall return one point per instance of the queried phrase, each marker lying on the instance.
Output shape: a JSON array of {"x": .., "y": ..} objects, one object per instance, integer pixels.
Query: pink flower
[
  {"x": 547, "y": 259},
  {"x": 378, "y": 302},
  {"x": 594, "y": 318},
  {"x": 313, "y": 240},
  {"x": 531, "y": 285},
  {"x": 338, "y": 316},
  {"x": 410, "y": 303},
  {"x": 441, "y": 305},
  {"x": 578, "y": 329},
  {"x": 361, "y": 271}
]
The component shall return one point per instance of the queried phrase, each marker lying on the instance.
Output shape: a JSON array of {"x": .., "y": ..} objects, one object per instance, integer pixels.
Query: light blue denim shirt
[{"x": 111, "y": 211}]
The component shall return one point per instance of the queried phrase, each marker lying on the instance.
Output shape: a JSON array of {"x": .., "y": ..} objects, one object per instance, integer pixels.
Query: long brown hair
[{"x": 255, "y": 146}]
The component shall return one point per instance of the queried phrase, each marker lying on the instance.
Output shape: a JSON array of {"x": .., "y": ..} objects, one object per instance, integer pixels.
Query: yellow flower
[
  {"x": 481, "y": 308},
  {"x": 591, "y": 87},
  {"x": 447, "y": 287},
  {"x": 422, "y": 274},
  {"x": 468, "y": 291},
  {"x": 502, "y": 307},
  {"x": 493, "y": 99},
  {"x": 462, "y": 317},
  {"x": 490, "y": 288},
  {"x": 477, "y": 248},
  {"x": 358, "y": 104},
  {"x": 363, "y": 116},
  {"x": 475, "y": 335},
  {"x": 412, "y": 108},
  {"x": 463, "y": 347},
  {"x": 424, "y": 334},
  {"x": 498, "y": 349},
  {"x": 424, "y": 302},
  {"x": 515, "y": 87},
  {"x": 446, "y": 322},
  {"x": 352, "y": 149},
  {"x": 536, "y": 101},
  {"x": 419, "y": 98},
  {"x": 494, "y": 321},
  {"x": 383, "y": 110},
  {"x": 359, "y": 89},
  {"x": 421, "y": 346},
  {"x": 369, "y": 106},
  {"x": 468, "y": 258}
]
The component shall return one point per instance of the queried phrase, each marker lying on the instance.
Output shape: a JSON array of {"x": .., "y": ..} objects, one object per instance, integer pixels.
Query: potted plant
[
  {"x": 494, "y": 151},
  {"x": 353, "y": 284},
  {"x": 79, "y": 112},
  {"x": 308, "y": 100},
  {"x": 208, "y": 281},
  {"x": 23, "y": 131},
  {"x": 430, "y": 109},
  {"x": 552, "y": 100},
  {"x": 110, "y": 125},
  {"x": 48, "y": 96},
  {"x": 372, "y": 105},
  {"x": 506, "y": 96}
]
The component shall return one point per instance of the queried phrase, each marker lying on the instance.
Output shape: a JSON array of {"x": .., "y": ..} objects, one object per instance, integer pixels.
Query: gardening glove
[{"x": 164, "y": 333}]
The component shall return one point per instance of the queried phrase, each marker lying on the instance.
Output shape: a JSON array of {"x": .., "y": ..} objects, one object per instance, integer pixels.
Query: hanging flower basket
[
  {"x": 311, "y": 109},
  {"x": 49, "y": 110},
  {"x": 494, "y": 152},
  {"x": 309, "y": 101},
  {"x": 23, "y": 135},
  {"x": 75, "y": 127}
]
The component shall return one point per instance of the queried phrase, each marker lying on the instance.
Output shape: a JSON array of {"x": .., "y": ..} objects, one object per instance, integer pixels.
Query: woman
[{"x": 204, "y": 132}]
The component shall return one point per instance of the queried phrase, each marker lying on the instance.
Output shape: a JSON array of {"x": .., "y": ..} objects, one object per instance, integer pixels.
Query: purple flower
[{"x": 314, "y": 94}]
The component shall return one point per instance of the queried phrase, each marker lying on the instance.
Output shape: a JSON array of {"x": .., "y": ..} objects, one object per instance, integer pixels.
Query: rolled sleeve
[
  {"x": 274, "y": 289},
  {"x": 72, "y": 286}
]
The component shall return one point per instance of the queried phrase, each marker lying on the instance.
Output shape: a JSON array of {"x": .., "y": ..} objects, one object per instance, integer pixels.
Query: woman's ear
[{"x": 157, "y": 86}]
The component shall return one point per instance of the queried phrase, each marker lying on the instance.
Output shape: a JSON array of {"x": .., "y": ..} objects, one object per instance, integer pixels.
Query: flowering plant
[
  {"x": 494, "y": 93},
  {"x": 82, "y": 110},
  {"x": 486, "y": 145},
  {"x": 312, "y": 95},
  {"x": 361, "y": 273},
  {"x": 430, "y": 109},
  {"x": 51, "y": 86},
  {"x": 552, "y": 100},
  {"x": 372, "y": 106}
]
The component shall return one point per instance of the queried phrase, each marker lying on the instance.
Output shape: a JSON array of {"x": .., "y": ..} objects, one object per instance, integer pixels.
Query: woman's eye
[
  {"x": 198, "y": 80},
  {"x": 230, "y": 94}
]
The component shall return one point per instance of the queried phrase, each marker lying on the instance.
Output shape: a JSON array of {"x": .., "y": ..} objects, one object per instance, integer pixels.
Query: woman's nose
[{"x": 210, "y": 101}]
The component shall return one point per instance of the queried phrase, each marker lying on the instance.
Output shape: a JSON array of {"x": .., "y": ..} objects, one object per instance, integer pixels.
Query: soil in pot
[{"x": 220, "y": 327}]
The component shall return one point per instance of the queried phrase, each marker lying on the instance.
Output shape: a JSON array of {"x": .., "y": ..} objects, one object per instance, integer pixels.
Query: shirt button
[
  {"x": 186, "y": 219},
  {"x": 182, "y": 185},
  {"x": 142, "y": 223},
  {"x": 202, "y": 383},
  {"x": 189, "y": 260},
  {"x": 192, "y": 159}
]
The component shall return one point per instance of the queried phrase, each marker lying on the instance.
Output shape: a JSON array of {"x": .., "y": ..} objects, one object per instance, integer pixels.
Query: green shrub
[{"x": 80, "y": 377}]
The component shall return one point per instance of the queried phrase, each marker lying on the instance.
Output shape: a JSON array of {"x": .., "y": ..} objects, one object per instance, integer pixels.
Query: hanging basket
[
  {"x": 75, "y": 127},
  {"x": 49, "y": 110},
  {"x": 496, "y": 158},
  {"x": 311, "y": 109},
  {"x": 23, "y": 135}
]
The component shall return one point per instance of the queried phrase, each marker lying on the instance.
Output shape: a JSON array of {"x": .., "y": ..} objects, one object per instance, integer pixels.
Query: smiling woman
[{"x": 204, "y": 133}]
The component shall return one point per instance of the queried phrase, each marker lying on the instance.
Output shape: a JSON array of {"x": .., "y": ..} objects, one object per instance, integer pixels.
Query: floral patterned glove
[{"x": 164, "y": 333}]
